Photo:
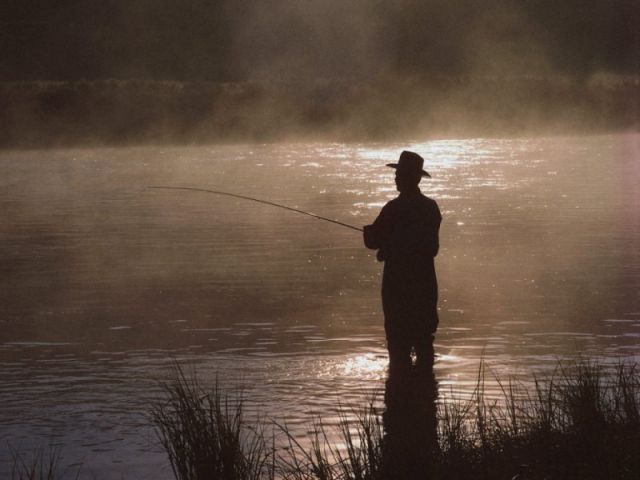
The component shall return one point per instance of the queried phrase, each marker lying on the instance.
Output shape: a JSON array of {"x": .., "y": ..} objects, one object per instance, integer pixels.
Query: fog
[
  {"x": 193, "y": 71},
  {"x": 103, "y": 282},
  {"x": 90, "y": 251}
]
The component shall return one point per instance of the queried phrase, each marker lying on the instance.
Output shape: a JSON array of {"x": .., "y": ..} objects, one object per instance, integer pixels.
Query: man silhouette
[{"x": 406, "y": 237}]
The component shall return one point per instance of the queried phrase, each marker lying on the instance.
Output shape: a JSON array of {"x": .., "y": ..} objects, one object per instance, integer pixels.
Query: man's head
[
  {"x": 407, "y": 181},
  {"x": 409, "y": 171}
]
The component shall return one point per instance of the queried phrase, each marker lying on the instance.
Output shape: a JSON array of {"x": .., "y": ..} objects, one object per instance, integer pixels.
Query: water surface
[{"x": 104, "y": 282}]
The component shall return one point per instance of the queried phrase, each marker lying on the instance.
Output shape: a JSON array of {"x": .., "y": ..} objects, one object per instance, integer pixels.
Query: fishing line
[{"x": 257, "y": 200}]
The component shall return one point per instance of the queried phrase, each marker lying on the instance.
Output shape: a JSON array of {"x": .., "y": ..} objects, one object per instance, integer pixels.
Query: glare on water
[
  {"x": 364, "y": 365},
  {"x": 106, "y": 283}
]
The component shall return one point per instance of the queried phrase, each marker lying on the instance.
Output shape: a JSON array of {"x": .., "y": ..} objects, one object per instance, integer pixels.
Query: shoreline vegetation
[
  {"x": 582, "y": 422},
  {"x": 42, "y": 114}
]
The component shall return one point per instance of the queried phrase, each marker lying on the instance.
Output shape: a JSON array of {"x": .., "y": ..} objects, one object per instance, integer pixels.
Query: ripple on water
[{"x": 531, "y": 272}]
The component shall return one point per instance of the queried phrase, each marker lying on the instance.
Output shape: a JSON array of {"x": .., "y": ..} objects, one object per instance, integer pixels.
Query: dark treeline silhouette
[
  {"x": 143, "y": 111},
  {"x": 201, "y": 71},
  {"x": 231, "y": 40}
]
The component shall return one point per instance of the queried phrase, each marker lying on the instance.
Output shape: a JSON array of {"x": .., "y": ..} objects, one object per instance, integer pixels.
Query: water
[{"x": 105, "y": 283}]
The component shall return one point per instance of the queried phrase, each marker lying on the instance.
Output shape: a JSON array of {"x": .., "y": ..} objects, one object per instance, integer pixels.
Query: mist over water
[
  {"x": 199, "y": 71},
  {"x": 105, "y": 282}
]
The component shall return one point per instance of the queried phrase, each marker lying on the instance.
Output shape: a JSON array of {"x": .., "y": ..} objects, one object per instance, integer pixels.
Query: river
[{"x": 105, "y": 283}]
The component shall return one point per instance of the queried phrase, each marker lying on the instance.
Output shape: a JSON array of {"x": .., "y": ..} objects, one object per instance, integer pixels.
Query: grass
[
  {"x": 205, "y": 435},
  {"x": 360, "y": 458},
  {"x": 582, "y": 422},
  {"x": 37, "y": 466}
]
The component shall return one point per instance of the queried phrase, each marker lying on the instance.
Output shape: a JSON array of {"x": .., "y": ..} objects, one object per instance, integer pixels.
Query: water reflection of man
[
  {"x": 406, "y": 237},
  {"x": 410, "y": 447}
]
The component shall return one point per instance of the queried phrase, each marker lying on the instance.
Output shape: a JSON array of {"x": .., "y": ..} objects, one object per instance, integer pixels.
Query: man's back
[
  {"x": 408, "y": 227},
  {"x": 406, "y": 231}
]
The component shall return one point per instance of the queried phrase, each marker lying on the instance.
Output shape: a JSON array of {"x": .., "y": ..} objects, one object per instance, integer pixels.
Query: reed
[
  {"x": 205, "y": 435},
  {"x": 582, "y": 422},
  {"x": 353, "y": 450},
  {"x": 37, "y": 466}
]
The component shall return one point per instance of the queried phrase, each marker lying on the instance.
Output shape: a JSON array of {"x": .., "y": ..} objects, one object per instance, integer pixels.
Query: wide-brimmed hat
[{"x": 410, "y": 162}]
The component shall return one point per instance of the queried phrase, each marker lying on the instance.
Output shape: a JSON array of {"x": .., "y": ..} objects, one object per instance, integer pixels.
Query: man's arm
[
  {"x": 370, "y": 237},
  {"x": 377, "y": 234}
]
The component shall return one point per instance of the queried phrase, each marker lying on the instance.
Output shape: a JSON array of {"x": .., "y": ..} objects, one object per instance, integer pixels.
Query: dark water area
[{"x": 105, "y": 283}]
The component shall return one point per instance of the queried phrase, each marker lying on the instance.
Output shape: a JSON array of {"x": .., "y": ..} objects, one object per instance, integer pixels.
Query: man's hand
[
  {"x": 369, "y": 235},
  {"x": 371, "y": 241}
]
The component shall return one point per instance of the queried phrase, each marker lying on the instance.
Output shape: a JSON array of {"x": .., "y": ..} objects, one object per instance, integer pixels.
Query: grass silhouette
[{"x": 581, "y": 422}]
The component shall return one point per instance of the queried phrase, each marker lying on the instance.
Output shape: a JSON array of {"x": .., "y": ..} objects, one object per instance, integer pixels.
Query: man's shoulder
[
  {"x": 430, "y": 206},
  {"x": 400, "y": 204},
  {"x": 428, "y": 201},
  {"x": 392, "y": 204}
]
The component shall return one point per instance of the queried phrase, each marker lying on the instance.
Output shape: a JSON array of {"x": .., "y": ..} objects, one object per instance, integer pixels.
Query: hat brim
[{"x": 395, "y": 165}]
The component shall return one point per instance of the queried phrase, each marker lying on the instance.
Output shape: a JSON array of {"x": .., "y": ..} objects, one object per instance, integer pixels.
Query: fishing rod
[{"x": 257, "y": 200}]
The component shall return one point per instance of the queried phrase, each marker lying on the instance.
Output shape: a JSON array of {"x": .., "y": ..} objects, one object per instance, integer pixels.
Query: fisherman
[{"x": 406, "y": 237}]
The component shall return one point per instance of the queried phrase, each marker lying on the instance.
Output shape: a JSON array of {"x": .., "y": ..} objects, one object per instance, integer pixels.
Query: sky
[{"x": 280, "y": 40}]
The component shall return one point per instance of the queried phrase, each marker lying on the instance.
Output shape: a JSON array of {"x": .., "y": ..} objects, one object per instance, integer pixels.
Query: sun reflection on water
[{"x": 365, "y": 365}]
